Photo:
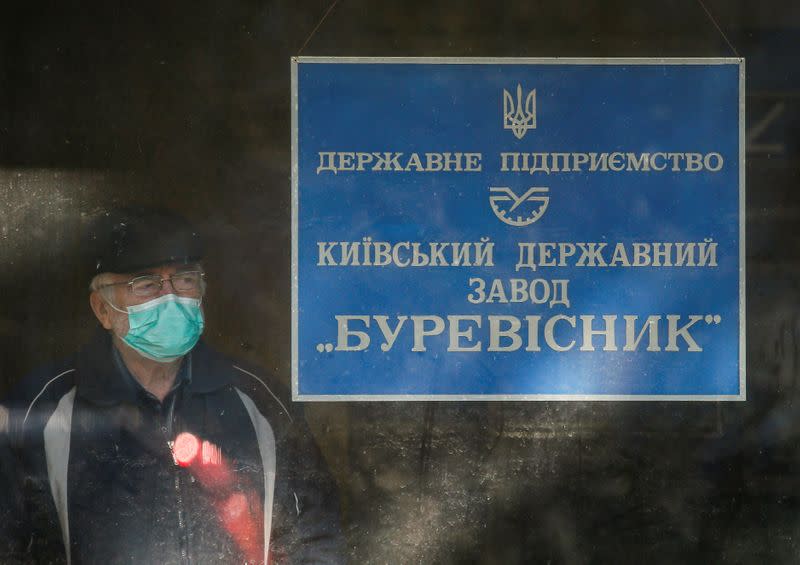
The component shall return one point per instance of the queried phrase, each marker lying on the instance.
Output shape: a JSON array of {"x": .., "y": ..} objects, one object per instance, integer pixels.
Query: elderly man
[{"x": 149, "y": 447}]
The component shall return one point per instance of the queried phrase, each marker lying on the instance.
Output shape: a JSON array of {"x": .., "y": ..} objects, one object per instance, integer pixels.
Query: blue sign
[{"x": 532, "y": 229}]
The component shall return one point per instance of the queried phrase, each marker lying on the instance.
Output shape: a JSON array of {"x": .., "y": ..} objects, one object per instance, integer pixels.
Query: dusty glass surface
[{"x": 187, "y": 105}]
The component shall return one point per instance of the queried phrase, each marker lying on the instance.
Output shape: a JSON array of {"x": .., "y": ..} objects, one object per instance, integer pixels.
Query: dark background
[{"x": 186, "y": 104}]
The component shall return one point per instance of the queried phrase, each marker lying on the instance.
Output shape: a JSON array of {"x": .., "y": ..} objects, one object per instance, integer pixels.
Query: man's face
[{"x": 122, "y": 295}]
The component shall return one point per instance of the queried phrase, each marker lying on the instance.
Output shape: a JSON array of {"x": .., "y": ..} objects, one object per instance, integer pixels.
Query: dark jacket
[{"x": 89, "y": 475}]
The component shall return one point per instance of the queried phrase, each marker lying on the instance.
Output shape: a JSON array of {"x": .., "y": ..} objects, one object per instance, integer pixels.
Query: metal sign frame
[{"x": 296, "y": 61}]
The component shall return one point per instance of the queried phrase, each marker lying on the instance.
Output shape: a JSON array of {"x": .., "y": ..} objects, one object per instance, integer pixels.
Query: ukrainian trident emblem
[{"x": 516, "y": 117}]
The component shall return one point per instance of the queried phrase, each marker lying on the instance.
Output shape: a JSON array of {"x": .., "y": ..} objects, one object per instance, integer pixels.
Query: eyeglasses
[{"x": 150, "y": 285}]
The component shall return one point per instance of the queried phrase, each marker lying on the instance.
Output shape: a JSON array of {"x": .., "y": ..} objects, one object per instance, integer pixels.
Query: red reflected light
[
  {"x": 212, "y": 455},
  {"x": 244, "y": 525},
  {"x": 185, "y": 449},
  {"x": 238, "y": 508},
  {"x": 234, "y": 508}
]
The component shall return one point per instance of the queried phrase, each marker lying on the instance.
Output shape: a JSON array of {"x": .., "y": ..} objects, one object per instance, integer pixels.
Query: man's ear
[{"x": 101, "y": 309}]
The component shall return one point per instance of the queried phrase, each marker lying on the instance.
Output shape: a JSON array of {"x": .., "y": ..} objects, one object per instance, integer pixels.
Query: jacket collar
[{"x": 102, "y": 382}]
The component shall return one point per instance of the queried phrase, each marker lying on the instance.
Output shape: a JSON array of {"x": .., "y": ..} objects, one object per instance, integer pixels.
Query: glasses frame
[{"x": 161, "y": 281}]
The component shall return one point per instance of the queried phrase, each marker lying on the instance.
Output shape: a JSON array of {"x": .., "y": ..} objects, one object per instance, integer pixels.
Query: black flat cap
[{"x": 126, "y": 240}]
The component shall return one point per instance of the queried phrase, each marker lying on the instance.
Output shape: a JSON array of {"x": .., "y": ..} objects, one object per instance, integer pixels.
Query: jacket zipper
[{"x": 167, "y": 429}]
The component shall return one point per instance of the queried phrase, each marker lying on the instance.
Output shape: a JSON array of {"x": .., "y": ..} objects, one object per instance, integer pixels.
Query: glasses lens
[
  {"x": 186, "y": 282},
  {"x": 146, "y": 286}
]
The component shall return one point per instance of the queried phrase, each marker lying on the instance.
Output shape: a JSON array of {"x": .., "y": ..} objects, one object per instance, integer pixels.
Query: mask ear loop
[{"x": 107, "y": 301}]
